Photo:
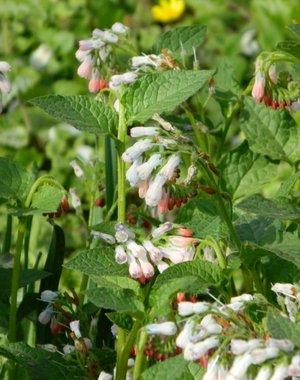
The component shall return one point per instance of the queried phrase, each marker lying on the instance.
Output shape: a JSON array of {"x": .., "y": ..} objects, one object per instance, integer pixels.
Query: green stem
[
  {"x": 12, "y": 328},
  {"x": 121, "y": 166},
  {"x": 7, "y": 236},
  {"x": 110, "y": 158},
  {"x": 200, "y": 138},
  {"x": 140, "y": 357}
]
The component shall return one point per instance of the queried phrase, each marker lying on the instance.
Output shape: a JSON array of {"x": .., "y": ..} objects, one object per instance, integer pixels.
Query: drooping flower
[
  {"x": 194, "y": 351},
  {"x": 48, "y": 296},
  {"x": 168, "y": 10},
  {"x": 258, "y": 90},
  {"x": 136, "y": 132},
  {"x": 155, "y": 190},
  {"x": 75, "y": 328},
  {"x": 164, "y": 328},
  {"x": 136, "y": 150},
  {"x": 126, "y": 78},
  {"x": 45, "y": 316}
]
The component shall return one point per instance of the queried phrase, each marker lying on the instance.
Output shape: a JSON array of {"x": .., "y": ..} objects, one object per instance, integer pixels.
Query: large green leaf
[
  {"x": 245, "y": 172},
  {"x": 277, "y": 208},
  {"x": 182, "y": 39},
  {"x": 283, "y": 328},
  {"x": 42, "y": 364},
  {"x": 291, "y": 47},
  {"x": 295, "y": 28},
  {"x": 161, "y": 92},
  {"x": 121, "y": 300},
  {"x": 288, "y": 185},
  {"x": 271, "y": 133},
  {"x": 97, "y": 262},
  {"x": 83, "y": 112},
  {"x": 14, "y": 180}
]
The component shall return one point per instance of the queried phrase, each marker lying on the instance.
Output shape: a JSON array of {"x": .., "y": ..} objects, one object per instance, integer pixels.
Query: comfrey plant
[{"x": 188, "y": 270}]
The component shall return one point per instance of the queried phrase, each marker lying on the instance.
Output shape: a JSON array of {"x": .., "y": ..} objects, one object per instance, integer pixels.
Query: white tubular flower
[
  {"x": 86, "y": 68},
  {"x": 135, "y": 269},
  {"x": 144, "y": 170},
  {"x": 187, "y": 308},
  {"x": 75, "y": 328},
  {"x": 85, "y": 45},
  {"x": 164, "y": 328},
  {"x": 280, "y": 372},
  {"x": 119, "y": 28},
  {"x": 239, "y": 367},
  {"x": 137, "y": 132},
  {"x": 109, "y": 239},
  {"x": 145, "y": 60},
  {"x": 168, "y": 170},
  {"x": 81, "y": 54},
  {"x": 289, "y": 290},
  {"x": 260, "y": 355},
  {"x": 194, "y": 351},
  {"x": 132, "y": 174},
  {"x": 264, "y": 373},
  {"x": 181, "y": 241},
  {"x": 120, "y": 255},
  {"x": 162, "y": 266},
  {"x": 143, "y": 188},
  {"x": 126, "y": 78},
  {"x": 4, "y": 66},
  {"x": 105, "y": 376},
  {"x": 155, "y": 190},
  {"x": 68, "y": 348},
  {"x": 77, "y": 169},
  {"x": 174, "y": 254},
  {"x": 242, "y": 298},
  {"x": 283, "y": 344},
  {"x": 98, "y": 33},
  {"x": 104, "y": 52},
  {"x": 123, "y": 233},
  {"x": 273, "y": 74},
  {"x": 48, "y": 296},
  {"x": 147, "y": 268},
  {"x": 137, "y": 250},
  {"x": 110, "y": 37},
  {"x": 4, "y": 84},
  {"x": 294, "y": 367},
  {"x": 136, "y": 150},
  {"x": 240, "y": 346},
  {"x": 76, "y": 203},
  {"x": 45, "y": 315},
  {"x": 162, "y": 229},
  {"x": 183, "y": 337},
  {"x": 215, "y": 371},
  {"x": 154, "y": 252}
]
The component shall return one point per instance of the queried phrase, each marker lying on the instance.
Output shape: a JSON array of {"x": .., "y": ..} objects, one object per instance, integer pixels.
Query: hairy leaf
[
  {"x": 288, "y": 185},
  {"x": 283, "y": 328}
]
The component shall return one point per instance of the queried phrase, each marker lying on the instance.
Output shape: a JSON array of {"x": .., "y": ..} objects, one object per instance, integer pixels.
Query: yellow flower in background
[{"x": 168, "y": 10}]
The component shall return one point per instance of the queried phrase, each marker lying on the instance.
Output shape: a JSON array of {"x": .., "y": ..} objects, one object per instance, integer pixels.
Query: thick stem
[
  {"x": 140, "y": 357},
  {"x": 7, "y": 236},
  {"x": 12, "y": 329},
  {"x": 121, "y": 167}
]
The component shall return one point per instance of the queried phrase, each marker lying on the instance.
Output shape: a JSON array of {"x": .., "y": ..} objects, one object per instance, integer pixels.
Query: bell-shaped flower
[
  {"x": 135, "y": 269},
  {"x": 294, "y": 367},
  {"x": 75, "y": 328},
  {"x": 264, "y": 373},
  {"x": 119, "y": 28},
  {"x": 162, "y": 266},
  {"x": 68, "y": 348},
  {"x": 144, "y": 170},
  {"x": 240, "y": 346},
  {"x": 283, "y": 344},
  {"x": 258, "y": 89},
  {"x": 94, "y": 83},
  {"x": 174, "y": 254},
  {"x": 136, "y": 150},
  {"x": 164, "y": 328},
  {"x": 117, "y": 80},
  {"x": 4, "y": 66},
  {"x": 187, "y": 308},
  {"x": 154, "y": 252},
  {"x": 120, "y": 255},
  {"x": 123, "y": 233},
  {"x": 143, "y": 187},
  {"x": 109, "y": 239},
  {"x": 162, "y": 229},
  {"x": 86, "y": 67},
  {"x": 137, "y": 132},
  {"x": 137, "y": 250},
  {"x": 281, "y": 372},
  {"x": 132, "y": 174},
  {"x": 194, "y": 351},
  {"x": 105, "y": 376},
  {"x": 240, "y": 367},
  {"x": 45, "y": 316},
  {"x": 260, "y": 355},
  {"x": 155, "y": 190},
  {"x": 163, "y": 204},
  {"x": 147, "y": 267},
  {"x": 48, "y": 296},
  {"x": 168, "y": 169}
]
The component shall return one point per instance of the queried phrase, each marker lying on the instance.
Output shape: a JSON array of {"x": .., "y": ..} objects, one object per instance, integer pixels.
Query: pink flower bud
[
  {"x": 143, "y": 188},
  {"x": 94, "y": 83},
  {"x": 86, "y": 67},
  {"x": 147, "y": 268},
  {"x": 163, "y": 204},
  {"x": 154, "y": 252},
  {"x": 258, "y": 89},
  {"x": 85, "y": 45},
  {"x": 162, "y": 229},
  {"x": 135, "y": 269}
]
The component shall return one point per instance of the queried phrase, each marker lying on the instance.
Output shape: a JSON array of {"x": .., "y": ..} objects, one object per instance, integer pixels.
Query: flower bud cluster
[
  {"x": 168, "y": 244},
  {"x": 94, "y": 53}
]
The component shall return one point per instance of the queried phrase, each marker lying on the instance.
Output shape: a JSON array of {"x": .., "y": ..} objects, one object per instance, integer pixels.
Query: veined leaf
[
  {"x": 182, "y": 39},
  {"x": 162, "y": 92},
  {"x": 271, "y": 133},
  {"x": 83, "y": 112},
  {"x": 287, "y": 185},
  {"x": 283, "y": 328}
]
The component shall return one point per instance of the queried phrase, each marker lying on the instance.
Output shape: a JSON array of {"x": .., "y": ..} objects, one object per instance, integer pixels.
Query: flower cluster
[
  {"x": 168, "y": 244},
  {"x": 155, "y": 165},
  {"x": 273, "y": 89}
]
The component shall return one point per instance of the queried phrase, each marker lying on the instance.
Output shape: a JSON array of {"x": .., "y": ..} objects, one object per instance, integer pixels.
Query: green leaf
[
  {"x": 83, "y": 112},
  {"x": 201, "y": 215},
  {"x": 245, "y": 172},
  {"x": 14, "y": 180},
  {"x": 184, "y": 38},
  {"x": 122, "y": 320},
  {"x": 117, "y": 282},
  {"x": 206, "y": 272},
  {"x": 290, "y": 47},
  {"x": 283, "y": 328},
  {"x": 279, "y": 208},
  {"x": 288, "y": 185},
  {"x": 97, "y": 262},
  {"x": 295, "y": 28},
  {"x": 34, "y": 359},
  {"x": 121, "y": 300},
  {"x": 271, "y": 133},
  {"x": 175, "y": 368},
  {"x": 162, "y": 92}
]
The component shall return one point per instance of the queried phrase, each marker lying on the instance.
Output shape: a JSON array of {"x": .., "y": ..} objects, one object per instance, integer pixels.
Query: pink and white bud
[
  {"x": 162, "y": 266},
  {"x": 45, "y": 316},
  {"x": 181, "y": 241},
  {"x": 94, "y": 82},
  {"x": 239, "y": 367},
  {"x": 77, "y": 169},
  {"x": 75, "y": 328},
  {"x": 48, "y": 296},
  {"x": 162, "y": 229},
  {"x": 155, "y": 190},
  {"x": 264, "y": 373},
  {"x": 109, "y": 239},
  {"x": 163, "y": 204},
  {"x": 98, "y": 33},
  {"x": 137, "y": 250},
  {"x": 145, "y": 169},
  {"x": 281, "y": 372},
  {"x": 4, "y": 66},
  {"x": 168, "y": 170},
  {"x": 187, "y": 308},
  {"x": 273, "y": 74},
  {"x": 85, "y": 45},
  {"x": 110, "y": 37},
  {"x": 86, "y": 68},
  {"x": 260, "y": 355},
  {"x": 154, "y": 252},
  {"x": 294, "y": 367},
  {"x": 194, "y": 351},
  {"x": 105, "y": 376},
  {"x": 147, "y": 268},
  {"x": 135, "y": 269},
  {"x": 82, "y": 54},
  {"x": 143, "y": 187},
  {"x": 258, "y": 89},
  {"x": 119, "y": 28},
  {"x": 68, "y": 349},
  {"x": 126, "y": 78},
  {"x": 132, "y": 174},
  {"x": 240, "y": 346},
  {"x": 164, "y": 328},
  {"x": 136, "y": 150},
  {"x": 120, "y": 255},
  {"x": 137, "y": 132},
  {"x": 283, "y": 344},
  {"x": 174, "y": 254},
  {"x": 183, "y": 231}
]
